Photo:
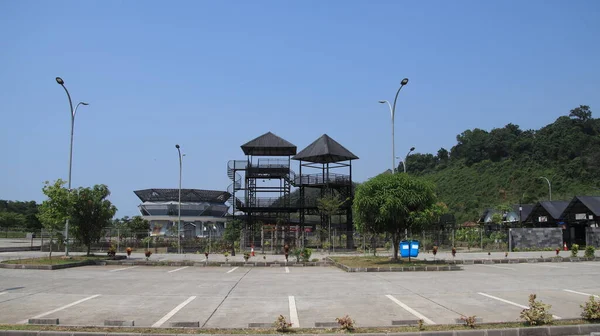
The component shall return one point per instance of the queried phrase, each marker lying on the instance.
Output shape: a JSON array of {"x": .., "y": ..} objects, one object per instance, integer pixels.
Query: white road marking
[
  {"x": 122, "y": 269},
  {"x": 287, "y": 270},
  {"x": 233, "y": 269},
  {"x": 293, "y": 313},
  {"x": 172, "y": 312},
  {"x": 2, "y": 293},
  {"x": 59, "y": 309},
  {"x": 410, "y": 310},
  {"x": 501, "y": 267},
  {"x": 580, "y": 293},
  {"x": 512, "y": 303},
  {"x": 179, "y": 269}
]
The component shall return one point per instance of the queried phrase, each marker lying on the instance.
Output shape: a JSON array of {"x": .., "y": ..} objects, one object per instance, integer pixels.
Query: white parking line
[
  {"x": 501, "y": 267},
  {"x": 179, "y": 269},
  {"x": 2, "y": 293},
  {"x": 287, "y": 270},
  {"x": 590, "y": 264},
  {"x": 293, "y": 313},
  {"x": 59, "y": 309},
  {"x": 233, "y": 269},
  {"x": 410, "y": 310},
  {"x": 172, "y": 312},
  {"x": 580, "y": 293},
  {"x": 512, "y": 303},
  {"x": 122, "y": 269}
]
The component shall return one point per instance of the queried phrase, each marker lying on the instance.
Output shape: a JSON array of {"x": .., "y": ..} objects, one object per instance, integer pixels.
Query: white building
[{"x": 203, "y": 212}]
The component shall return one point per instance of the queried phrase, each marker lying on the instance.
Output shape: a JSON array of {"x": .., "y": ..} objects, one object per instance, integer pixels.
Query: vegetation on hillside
[{"x": 503, "y": 166}]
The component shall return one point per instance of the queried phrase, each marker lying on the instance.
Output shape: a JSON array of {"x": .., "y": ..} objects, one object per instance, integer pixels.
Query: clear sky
[{"x": 212, "y": 75}]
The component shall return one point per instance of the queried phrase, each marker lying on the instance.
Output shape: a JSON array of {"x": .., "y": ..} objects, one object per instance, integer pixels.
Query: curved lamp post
[
  {"x": 406, "y": 158},
  {"x": 61, "y": 82},
  {"x": 549, "y": 186},
  {"x": 179, "y": 207},
  {"x": 392, "y": 113}
]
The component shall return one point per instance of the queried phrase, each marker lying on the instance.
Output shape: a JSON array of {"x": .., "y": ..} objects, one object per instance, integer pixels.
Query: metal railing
[{"x": 322, "y": 179}]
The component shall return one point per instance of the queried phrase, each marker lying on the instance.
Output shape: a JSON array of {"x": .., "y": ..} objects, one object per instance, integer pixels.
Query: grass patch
[
  {"x": 383, "y": 262},
  {"x": 254, "y": 331},
  {"x": 58, "y": 260}
]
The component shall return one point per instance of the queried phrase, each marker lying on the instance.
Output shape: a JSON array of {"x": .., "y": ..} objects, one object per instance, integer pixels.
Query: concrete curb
[
  {"x": 566, "y": 330},
  {"x": 431, "y": 268},
  {"x": 61, "y": 266}
]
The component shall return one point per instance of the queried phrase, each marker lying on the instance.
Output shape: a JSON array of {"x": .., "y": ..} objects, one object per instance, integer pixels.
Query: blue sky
[{"x": 212, "y": 75}]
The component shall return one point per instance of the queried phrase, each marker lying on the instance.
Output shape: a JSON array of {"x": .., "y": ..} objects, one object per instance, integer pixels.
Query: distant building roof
[
  {"x": 592, "y": 203},
  {"x": 269, "y": 144},
  {"x": 325, "y": 150},
  {"x": 187, "y": 195},
  {"x": 526, "y": 210},
  {"x": 554, "y": 208}
]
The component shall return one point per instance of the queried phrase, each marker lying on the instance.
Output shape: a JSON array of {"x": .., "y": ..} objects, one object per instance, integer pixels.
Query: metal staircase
[{"x": 236, "y": 179}]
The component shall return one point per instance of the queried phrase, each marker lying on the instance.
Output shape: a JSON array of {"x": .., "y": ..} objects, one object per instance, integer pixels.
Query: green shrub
[
  {"x": 574, "y": 250},
  {"x": 537, "y": 313},
  {"x": 590, "y": 251},
  {"x": 297, "y": 252},
  {"x": 591, "y": 310},
  {"x": 306, "y": 253},
  {"x": 387, "y": 246}
]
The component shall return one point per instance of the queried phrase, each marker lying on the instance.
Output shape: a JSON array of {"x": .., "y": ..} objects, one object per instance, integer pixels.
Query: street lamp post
[
  {"x": 73, "y": 113},
  {"x": 406, "y": 158},
  {"x": 549, "y": 186},
  {"x": 179, "y": 207},
  {"x": 393, "y": 113}
]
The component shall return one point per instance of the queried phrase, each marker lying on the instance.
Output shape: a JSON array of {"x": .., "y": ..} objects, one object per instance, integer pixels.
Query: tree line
[{"x": 503, "y": 166}]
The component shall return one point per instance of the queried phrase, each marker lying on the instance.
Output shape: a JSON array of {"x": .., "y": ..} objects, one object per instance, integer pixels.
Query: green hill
[{"x": 504, "y": 166}]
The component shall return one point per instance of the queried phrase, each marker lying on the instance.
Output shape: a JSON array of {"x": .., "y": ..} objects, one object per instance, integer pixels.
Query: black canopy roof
[
  {"x": 187, "y": 195},
  {"x": 325, "y": 150},
  {"x": 269, "y": 144},
  {"x": 554, "y": 208},
  {"x": 590, "y": 202}
]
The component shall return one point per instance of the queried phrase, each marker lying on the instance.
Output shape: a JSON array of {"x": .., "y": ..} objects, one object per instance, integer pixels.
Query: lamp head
[
  {"x": 84, "y": 103},
  {"x": 404, "y": 81},
  {"x": 60, "y": 81},
  {"x": 382, "y": 101},
  {"x": 412, "y": 149},
  {"x": 177, "y": 146}
]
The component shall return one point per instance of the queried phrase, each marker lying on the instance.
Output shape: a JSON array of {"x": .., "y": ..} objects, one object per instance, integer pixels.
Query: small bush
[
  {"x": 591, "y": 310},
  {"x": 346, "y": 323},
  {"x": 537, "y": 313},
  {"x": 421, "y": 325},
  {"x": 281, "y": 324},
  {"x": 387, "y": 246},
  {"x": 297, "y": 253},
  {"x": 314, "y": 259},
  {"x": 469, "y": 321},
  {"x": 306, "y": 253},
  {"x": 590, "y": 251},
  {"x": 574, "y": 250}
]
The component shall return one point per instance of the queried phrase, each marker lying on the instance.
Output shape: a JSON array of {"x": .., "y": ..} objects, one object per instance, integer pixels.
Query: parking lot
[{"x": 235, "y": 297}]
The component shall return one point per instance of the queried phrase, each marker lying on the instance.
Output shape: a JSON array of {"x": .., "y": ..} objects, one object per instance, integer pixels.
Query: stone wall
[
  {"x": 522, "y": 238},
  {"x": 592, "y": 236}
]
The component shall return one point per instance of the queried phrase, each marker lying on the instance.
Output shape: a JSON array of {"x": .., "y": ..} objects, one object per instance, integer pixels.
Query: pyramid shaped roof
[
  {"x": 325, "y": 150},
  {"x": 269, "y": 144}
]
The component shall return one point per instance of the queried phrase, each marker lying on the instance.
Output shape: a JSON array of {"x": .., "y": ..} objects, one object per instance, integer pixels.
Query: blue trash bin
[
  {"x": 414, "y": 248},
  {"x": 404, "y": 249}
]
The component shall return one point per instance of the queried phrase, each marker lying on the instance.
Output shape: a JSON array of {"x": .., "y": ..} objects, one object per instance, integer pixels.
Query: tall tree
[
  {"x": 232, "y": 234},
  {"x": 390, "y": 203},
  {"x": 92, "y": 213},
  {"x": 138, "y": 226},
  {"x": 329, "y": 204},
  {"x": 582, "y": 113},
  {"x": 55, "y": 210}
]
